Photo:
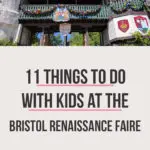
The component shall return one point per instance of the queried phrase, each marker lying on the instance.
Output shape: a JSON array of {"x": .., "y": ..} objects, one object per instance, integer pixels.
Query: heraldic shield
[
  {"x": 141, "y": 23},
  {"x": 61, "y": 15},
  {"x": 123, "y": 25}
]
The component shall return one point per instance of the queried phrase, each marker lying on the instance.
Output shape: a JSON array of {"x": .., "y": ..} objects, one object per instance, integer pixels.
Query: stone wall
[
  {"x": 9, "y": 18},
  {"x": 25, "y": 37}
]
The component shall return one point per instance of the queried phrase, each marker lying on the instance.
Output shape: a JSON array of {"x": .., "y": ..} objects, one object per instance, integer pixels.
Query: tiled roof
[{"x": 104, "y": 13}]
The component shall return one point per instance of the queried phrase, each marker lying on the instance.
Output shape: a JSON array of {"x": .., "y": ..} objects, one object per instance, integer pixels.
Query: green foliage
[
  {"x": 35, "y": 40},
  {"x": 138, "y": 40},
  {"x": 141, "y": 40},
  {"x": 55, "y": 40},
  {"x": 94, "y": 38},
  {"x": 77, "y": 39},
  {"x": 35, "y": 44},
  {"x": 7, "y": 42}
]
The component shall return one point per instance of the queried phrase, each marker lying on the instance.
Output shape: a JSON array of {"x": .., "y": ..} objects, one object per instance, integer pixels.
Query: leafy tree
[
  {"x": 77, "y": 39},
  {"x": 35, "y": 40},
  {"x": 94, "y": 38},
  {"x": 55, "y": 40}
]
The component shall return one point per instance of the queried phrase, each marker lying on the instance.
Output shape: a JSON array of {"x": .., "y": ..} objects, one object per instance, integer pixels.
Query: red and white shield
[
  {"x": 123, "y": 25},
  {"x": 141, "y": 23}
]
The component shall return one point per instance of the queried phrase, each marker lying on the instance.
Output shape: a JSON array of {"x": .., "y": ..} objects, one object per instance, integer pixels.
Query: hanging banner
[
  {"x": 65, "y": 28},
  {"x": 61, "y": 14}
]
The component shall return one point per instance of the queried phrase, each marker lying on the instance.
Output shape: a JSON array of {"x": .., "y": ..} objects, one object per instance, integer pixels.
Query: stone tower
[{"x": 9, "y": 19}]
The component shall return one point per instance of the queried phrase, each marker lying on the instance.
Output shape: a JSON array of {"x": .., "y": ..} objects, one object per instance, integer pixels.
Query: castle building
[{"x": 116, "y": 20}]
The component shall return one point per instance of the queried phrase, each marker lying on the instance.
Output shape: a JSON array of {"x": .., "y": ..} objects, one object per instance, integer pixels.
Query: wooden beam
[{"x": 86, "y": 37}]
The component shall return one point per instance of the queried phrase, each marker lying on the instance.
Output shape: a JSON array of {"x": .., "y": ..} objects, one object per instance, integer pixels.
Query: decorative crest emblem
[
  {"x": 123, "y": 25},
  {"x": 141, "y": 23},
  {"x": 61, "y": 14}
]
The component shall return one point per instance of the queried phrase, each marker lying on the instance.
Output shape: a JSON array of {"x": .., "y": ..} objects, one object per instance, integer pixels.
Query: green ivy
[
  {"x": 138, "y": 40},
  {"x": 142, "y": 40}
]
